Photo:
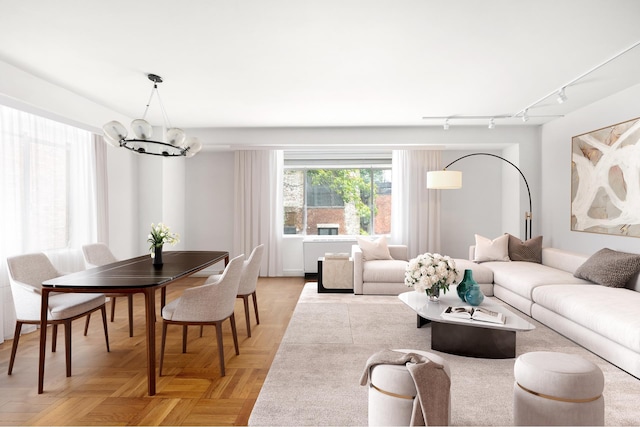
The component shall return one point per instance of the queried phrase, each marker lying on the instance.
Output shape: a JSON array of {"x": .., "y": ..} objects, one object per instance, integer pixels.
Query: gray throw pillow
[
  {"x": 529, "y": 250},
  {"x": 609, "y": 268}
]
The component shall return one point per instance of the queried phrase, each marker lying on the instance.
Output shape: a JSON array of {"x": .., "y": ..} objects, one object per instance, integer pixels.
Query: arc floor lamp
[{"x": 449, "y": 180}]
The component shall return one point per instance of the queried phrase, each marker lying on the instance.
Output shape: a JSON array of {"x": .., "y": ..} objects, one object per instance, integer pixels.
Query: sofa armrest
[{"x": 356, "y": 257}]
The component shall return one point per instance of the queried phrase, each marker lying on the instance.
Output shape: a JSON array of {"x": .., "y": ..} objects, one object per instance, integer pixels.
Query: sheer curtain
[
  {"x": 258, "y": 212},
  {"x": 48, "y": 193},
  {"x": 415, "y": 218}
]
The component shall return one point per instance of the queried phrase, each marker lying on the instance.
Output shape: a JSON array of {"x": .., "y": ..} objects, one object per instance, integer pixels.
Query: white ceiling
[{"x": 253, "y": 63}]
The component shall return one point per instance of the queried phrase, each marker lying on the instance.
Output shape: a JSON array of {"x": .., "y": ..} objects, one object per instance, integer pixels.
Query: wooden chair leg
[
  {"x": 245, "y": 299},
  {"x": 164, "y": 340},
  {"x": 103, "y": 309},
  {"x": 130, "y": 302},
  {"x": 220, "y": 347},
  {"x": 234, "y": 332},
  {"x": 113, "y": 308},
  {"x": 184, "y": 338},
  {"x": 86, "y": 324},
  {"x": 54, "y": 337},
  {"x": 67, "y": 345},
  {"x": 255, "y": 306},
  {"x": 14, "y": 346}
]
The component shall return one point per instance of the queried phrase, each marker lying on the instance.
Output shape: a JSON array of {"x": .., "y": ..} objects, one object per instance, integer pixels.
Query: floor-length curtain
[
  {"x": 48, "y": 193},
  {"x": 258, "y": 212},
  {"x": 415, "y": 211}
]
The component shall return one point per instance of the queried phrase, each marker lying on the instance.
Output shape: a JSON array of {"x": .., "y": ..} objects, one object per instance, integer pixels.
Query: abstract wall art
[{"x": 605, "y": 180}]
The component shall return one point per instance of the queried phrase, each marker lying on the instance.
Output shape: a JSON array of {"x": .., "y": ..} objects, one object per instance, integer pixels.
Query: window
[
  {"x": 45, "y": 167},
  {"x": 324, "y": 199}
]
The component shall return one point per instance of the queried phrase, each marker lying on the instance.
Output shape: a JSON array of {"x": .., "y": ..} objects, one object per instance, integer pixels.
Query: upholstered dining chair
[
  {"x": 209, "y": 304},
  {"x": 26, "y": 274},
  {"x": 97, "y": 254},
  {"x": 248, "y": 282}
]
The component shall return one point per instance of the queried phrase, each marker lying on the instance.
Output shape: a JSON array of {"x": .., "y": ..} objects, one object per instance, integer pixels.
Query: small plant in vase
[
  {"x": 159, "y": 235},
  {"x": 431, "y": 273}
]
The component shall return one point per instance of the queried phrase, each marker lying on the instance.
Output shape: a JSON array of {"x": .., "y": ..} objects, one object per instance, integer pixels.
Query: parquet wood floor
[{"x": 111, "y": 388}]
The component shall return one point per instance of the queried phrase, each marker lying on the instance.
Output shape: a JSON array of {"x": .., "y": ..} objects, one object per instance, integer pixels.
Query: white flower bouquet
[
  {"x": 431, "y": 272},
  {"x": 160, "y": 234}
]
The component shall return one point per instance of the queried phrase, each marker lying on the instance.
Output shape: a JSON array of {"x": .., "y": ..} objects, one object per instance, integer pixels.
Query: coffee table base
[{"x": 473, "y": 341}]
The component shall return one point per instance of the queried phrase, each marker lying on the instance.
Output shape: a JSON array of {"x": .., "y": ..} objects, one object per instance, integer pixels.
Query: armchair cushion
[
  {"x": 388, "y": 271},
  {"x": 372, "y": 250}
]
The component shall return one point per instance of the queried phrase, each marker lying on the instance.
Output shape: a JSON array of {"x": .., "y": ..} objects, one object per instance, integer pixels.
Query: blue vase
[
  {"x": 474, "y": 295},
  {"x": 465, "y": 283}
]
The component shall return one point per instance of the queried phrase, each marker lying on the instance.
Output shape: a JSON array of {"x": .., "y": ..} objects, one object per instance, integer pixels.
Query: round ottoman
[
  {"x": 557, "y": 389},
  {"x": 392, "y": 392}
]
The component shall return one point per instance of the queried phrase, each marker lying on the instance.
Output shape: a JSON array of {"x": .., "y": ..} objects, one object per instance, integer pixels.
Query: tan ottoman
[
  {"x": 392, "y": 393},
  {"x": 557, "y": 389}
]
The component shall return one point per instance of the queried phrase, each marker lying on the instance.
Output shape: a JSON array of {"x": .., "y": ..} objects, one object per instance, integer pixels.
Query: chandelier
[{"x": 175, "y": 142}]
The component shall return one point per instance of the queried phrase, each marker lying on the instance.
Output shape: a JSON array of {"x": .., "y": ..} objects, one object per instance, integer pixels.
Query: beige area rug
[{"x": 314, "y": 379}]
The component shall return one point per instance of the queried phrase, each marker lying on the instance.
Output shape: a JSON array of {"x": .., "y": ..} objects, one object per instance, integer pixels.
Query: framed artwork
[{"x": 605, "y": 180}]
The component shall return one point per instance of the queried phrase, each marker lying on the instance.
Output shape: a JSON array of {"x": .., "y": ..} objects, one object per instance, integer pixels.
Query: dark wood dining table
[{"x": 135, "y": 275}]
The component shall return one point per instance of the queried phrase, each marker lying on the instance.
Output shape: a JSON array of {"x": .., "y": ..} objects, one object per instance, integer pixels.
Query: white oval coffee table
[{"x": 466, "y": 337}]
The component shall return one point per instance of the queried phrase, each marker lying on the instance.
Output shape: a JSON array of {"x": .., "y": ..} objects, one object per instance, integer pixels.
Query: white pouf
[
  {"x": 392, "y": 392},
  {"x": 557, "y": 389}
]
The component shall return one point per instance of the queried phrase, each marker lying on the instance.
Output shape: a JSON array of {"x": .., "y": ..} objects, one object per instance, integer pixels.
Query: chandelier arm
[{"x": 528, "y": 215}]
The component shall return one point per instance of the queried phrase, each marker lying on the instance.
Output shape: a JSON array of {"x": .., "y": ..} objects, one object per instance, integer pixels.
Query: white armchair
[
  {"x": 97, "y": 254},
  {"x": 26, "y": 274},
  {"x": 380, "y": 277},
  {"x": 208, "y": 304}
]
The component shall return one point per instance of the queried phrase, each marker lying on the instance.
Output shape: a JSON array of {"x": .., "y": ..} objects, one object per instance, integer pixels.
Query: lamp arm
[{"x": 521, "y": 174}]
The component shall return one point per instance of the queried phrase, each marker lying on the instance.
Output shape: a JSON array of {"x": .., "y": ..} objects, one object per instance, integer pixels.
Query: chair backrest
[
  {"x": 250, "y": 271},
  {"x": 97, "y": 254},
  {"x": 215, "y": 299},
  {"x": 31, "y": 269}
]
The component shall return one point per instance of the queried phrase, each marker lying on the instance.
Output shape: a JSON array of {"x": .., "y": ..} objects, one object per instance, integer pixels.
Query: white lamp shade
[
  {"x": 141, "y": 129},
  {"x": 176, "y": 136},
  {"x": 193, "y": 146},
  {"x": 444, "y": 180},
  {"x": 115, "y": 131}
]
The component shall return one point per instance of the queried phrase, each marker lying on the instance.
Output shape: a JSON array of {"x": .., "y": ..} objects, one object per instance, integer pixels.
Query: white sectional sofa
[{"x": 604, "y": 320}]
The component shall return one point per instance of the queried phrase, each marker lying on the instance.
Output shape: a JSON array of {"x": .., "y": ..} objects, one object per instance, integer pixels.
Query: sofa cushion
[
  {"x": 522, "y": 277},
  {"x": 529, "y": 250},
  {"x": 610, "y": 312},
  {"x": 391, "y": 271},
  {"x": 492, "y": 250},
  {"x": 609, "y": 268},
  {"x": 373, "y": 249},
  {"x": 480, "y": 272}
]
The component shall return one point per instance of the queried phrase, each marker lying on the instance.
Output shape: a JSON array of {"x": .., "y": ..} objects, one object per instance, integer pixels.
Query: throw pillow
[
  {"x": 374, "y": 249},
  {"x": 529, "y": 250},
  {"x": 492, "y": 250},
  {"x": 609, "y": 268}
]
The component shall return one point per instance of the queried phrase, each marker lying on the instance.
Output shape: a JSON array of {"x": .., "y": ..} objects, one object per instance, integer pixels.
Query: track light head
[
  {"x": 525, "y": 115},
  {"x": 562, "y": 97},
  {"x": 492, "y": 123},
  {"x": 446, "y": 124}
]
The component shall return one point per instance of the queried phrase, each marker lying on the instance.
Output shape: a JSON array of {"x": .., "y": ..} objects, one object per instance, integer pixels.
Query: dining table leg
[
  {"x": 150, "y": 311},
  {"x": 44, "y": 309}
]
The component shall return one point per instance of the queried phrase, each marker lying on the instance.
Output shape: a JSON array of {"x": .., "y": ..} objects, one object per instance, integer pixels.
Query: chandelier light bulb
[
  {"x": 176, "y": 136},
  {"x": 141, "y": 129},
  {"x": 115, "y": 131}
]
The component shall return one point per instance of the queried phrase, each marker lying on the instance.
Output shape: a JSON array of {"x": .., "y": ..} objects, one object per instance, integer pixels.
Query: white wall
[{"x": 556, "y": 178}]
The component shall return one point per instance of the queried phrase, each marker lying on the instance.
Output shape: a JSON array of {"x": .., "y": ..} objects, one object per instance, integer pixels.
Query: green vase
[
  {"x": 474, "y": 295},
  {"x": 465, "y": 283}
]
